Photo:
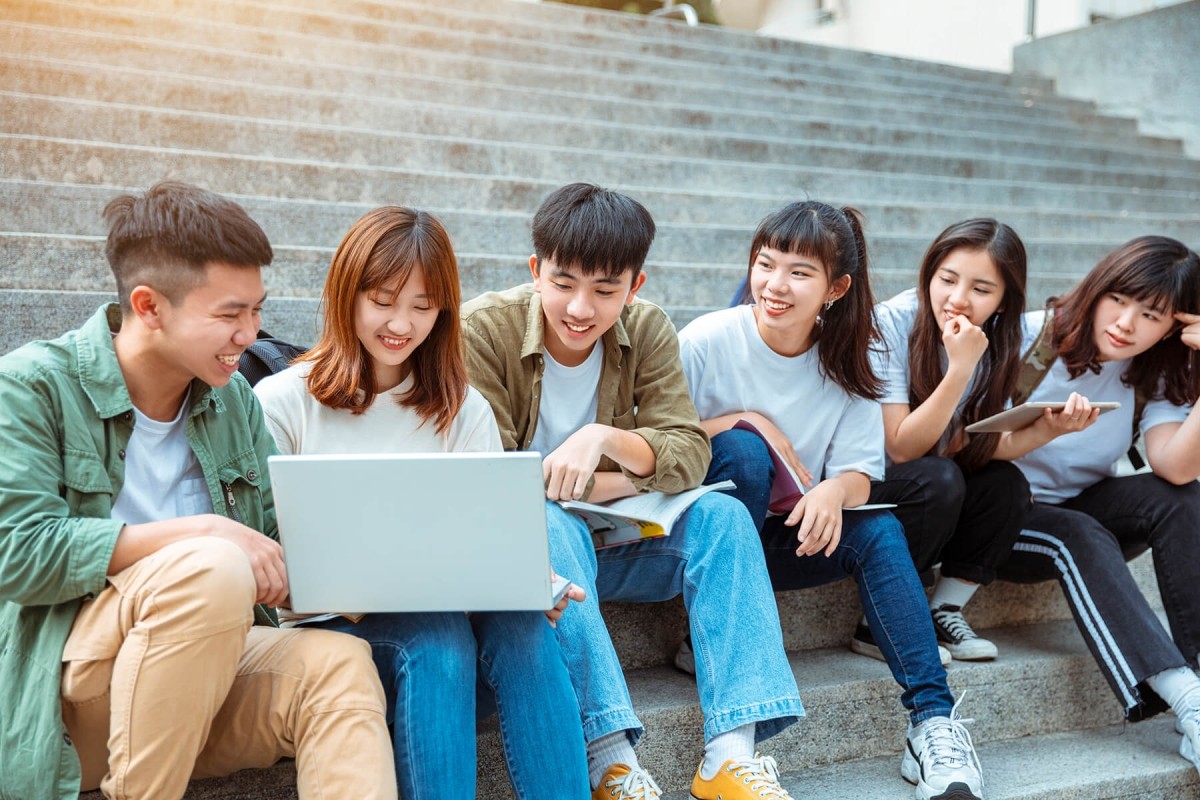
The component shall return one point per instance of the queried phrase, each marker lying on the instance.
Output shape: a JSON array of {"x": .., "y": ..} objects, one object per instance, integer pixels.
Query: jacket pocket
[
  {"x": 241, "y": 489},
  {"x": 87, "y": 487}
]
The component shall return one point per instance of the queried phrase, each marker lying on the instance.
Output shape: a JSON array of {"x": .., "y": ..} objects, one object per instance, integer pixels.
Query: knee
[
  {"x": 742, "y": 457},
  {"x": 942, "y": 486},
  {"x": 718, "y": 523},
  {"x": 877, "y": 533},
  {"x": 212, "y": 570},
  {"x": 335, "y": 669},
  {"x": 515, "y": 638},
  {"x": 441, "y": 644},
  {"x": 1005, "y": 482}
]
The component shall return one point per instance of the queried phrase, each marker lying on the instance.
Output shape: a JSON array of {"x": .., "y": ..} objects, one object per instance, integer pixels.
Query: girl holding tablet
[
  {"x": 1128, "y": 332},
  {"x": 950, "y": 357},
  {"x": 387, "y": 375},
  {"x": 796, "y": 366}
]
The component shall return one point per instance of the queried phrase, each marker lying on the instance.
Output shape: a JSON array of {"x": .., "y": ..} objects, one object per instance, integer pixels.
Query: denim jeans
[
  {"x": 428, "y": 665},
  {"x": 713, "y": 558},
  {"x": 1084, "y": 543},
  {"x": 872, "y": 550}
]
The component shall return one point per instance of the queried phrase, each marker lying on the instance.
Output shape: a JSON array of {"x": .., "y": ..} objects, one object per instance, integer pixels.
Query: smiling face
[
  {"x": 1123, "y": 327},
  {"x": 579, "y": 308},
  {"x": 966, "y": 284},
  {"x": 204, "y": 334},
  {"x": 391, "y": 322},
  {"x": 789, "y": 291}
]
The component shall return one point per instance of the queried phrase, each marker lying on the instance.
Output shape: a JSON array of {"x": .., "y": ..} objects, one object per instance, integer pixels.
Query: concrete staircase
[{"x": 310, "y": 112}]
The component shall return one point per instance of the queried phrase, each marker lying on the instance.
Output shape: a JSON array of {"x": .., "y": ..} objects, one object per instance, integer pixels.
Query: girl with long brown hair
[
  {"x": 795, "y": 366},
  {"x": 950, "y": 357},
  {"x": 388, "y": 376},
  {"x": 1128, "y": 332}
]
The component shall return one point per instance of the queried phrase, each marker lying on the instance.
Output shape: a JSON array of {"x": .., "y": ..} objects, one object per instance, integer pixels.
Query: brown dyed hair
[
  {"x": 385, "y": 246},
  {"x": 847, "y": 329},
  {"x": 1155, "y": 270},
  {"x": 166, "y": 238},
  {"x": 996, "y": 374}
]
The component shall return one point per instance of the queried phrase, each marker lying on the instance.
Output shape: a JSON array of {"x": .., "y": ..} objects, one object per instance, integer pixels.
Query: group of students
[{"x": 137, "y": 527}]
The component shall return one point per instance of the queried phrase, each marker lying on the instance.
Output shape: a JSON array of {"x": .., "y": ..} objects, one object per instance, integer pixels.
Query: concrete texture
[{"x": 1143, "y": 66}]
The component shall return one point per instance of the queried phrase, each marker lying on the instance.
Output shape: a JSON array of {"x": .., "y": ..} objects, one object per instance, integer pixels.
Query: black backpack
[{"x": 267, "y": 356}]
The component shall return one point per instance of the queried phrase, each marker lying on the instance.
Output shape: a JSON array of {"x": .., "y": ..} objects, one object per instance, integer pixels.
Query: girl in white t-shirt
[
  {"x": 387, "y": 375},
  {"x": 950, "y": 357},
  {"x": 1130, "y": 329},
  {"x": 795, "y": 366}
]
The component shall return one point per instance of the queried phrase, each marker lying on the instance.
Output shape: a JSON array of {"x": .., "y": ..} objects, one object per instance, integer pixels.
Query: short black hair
[
  {"x": 167, "y": 236},
  {"x": 592, "y": 228}
]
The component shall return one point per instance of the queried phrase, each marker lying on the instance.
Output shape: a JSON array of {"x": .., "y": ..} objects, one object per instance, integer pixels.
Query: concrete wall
[
  {"x": 970, "y": 33},
  {"x": 1146, "y": 66}
]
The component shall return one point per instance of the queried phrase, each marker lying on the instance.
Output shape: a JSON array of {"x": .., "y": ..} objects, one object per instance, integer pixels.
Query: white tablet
[{"x": 1025, "y": 414}]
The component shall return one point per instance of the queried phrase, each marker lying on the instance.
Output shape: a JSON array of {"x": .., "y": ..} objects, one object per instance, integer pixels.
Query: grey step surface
[
  {"x": 654, "y": 130},
  {"x": 490, "y": 86},
  {"x": 135, "y": 123},
  {"x": 91, "y": 160}
]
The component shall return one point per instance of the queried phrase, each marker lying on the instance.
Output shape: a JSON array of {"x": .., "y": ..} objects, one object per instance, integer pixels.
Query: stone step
[
  {"x": 88, "y": 160},
  {"x": 1044, "y": 684},
  {"x": 523, "y": 42},
  {"x": 428, "y": 52},
  {"x": 1112, "y": 762},
  {"x": 765, "y": 137},
  {"x": 43, "y": 207},
  {"x": 123, "y": 123},
  {"x": 502, "y": 86}
]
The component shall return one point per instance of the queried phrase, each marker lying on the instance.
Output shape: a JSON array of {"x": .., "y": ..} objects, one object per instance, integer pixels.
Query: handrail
[{"x": 671, "y": 9}]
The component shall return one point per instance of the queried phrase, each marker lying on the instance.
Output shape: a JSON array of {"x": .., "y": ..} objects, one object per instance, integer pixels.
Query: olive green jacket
[
  {"x": 642, "y": 385},
  {"x": 65, "y": 419}
]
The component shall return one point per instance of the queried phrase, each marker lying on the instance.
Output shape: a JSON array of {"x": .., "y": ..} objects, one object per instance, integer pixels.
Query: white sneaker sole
[
  {"x": 1188, "y": 751},
  {"x": 972, "y": 650},
  {"x": 911, "y": 771}
]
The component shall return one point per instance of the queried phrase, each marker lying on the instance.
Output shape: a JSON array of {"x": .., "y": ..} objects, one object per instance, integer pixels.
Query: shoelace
[
  {"x": 948, "y": 742},
  {"x": 951, "y": 618},
  {"x": 634, "y": 785},
  {"x": 761, "y": 774}
]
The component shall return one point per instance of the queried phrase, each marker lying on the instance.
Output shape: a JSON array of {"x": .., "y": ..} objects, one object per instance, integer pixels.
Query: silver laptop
[{"x": 413, "y": 532}]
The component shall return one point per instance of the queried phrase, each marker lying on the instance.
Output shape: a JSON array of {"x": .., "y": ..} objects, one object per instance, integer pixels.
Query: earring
[{"x": 828, "y": 304}]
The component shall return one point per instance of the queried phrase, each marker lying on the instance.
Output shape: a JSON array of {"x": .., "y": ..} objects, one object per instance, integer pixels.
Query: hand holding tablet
[{"x": 1014, "y": 419}]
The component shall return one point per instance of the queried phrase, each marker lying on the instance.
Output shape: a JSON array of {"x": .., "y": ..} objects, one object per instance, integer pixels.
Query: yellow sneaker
[
  {"x": 748, "y": 779},
  {"x": 621, "y": 783}
]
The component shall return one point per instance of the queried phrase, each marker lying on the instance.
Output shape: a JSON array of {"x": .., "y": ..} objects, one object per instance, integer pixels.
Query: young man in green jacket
[
  {"x": 137, "y": 532},
  {"x": 579, "y": 369}
]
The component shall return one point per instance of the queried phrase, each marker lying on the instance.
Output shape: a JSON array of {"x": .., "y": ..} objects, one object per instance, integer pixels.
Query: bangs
[
  {"x": 1146, "y": 282},
  {"x": 402, "y": 251},
  {"x": 799, "y": 229}
]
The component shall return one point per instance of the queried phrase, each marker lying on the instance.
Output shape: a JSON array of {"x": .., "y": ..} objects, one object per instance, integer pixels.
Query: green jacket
[
  {"x": 642, "y": 385},
  {"x": 65, "y": 419}
]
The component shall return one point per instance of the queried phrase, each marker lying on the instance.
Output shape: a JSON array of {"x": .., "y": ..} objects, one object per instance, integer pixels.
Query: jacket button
[
  {"x": 67, "y": 740},
  {"x": 121, "y": 454},
  {"x": 252, "y": 475},
  {"x": 127, "y": 416}
]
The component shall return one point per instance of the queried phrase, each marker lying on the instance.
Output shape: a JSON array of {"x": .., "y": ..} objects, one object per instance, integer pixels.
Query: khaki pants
[{"x": 164, "y": 679}]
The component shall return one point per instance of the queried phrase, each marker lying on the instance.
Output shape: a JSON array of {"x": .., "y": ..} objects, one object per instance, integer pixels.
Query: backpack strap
[
  {"x": 266, "y": 356},
  {"x": 1036, "y": 363}
]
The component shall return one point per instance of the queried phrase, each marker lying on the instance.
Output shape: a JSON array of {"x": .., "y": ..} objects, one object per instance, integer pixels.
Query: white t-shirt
[
  {"x": 1071, "y": 463},
  {"x": 895, "y": 318},
  {"x": 730, "y": 369},
  {"x": 301, "y": 425},
  {"x": 163, "y": 479},
  {"x": 569, "y": 399}
]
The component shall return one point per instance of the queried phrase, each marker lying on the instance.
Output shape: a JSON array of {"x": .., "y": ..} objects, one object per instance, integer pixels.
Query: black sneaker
[
  {"x": 863, "y": 643},
  {"x": 956, "y": 635}
]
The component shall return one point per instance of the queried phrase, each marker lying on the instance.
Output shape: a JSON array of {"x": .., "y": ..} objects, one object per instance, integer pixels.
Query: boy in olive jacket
[{"x": 137, "y": 532}]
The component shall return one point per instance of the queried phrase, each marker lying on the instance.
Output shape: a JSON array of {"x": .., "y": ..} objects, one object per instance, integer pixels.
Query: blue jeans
[
  {"x": 872, "y": 550},
  {"x": 427, "y": 663},
  {"x": 713, "y": 558}
]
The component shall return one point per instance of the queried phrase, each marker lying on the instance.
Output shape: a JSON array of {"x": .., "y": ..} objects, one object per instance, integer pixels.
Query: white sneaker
[
  {"x": 956, "y": 635},
  {"x": 940, "y": 759},
  {"x": 1188, "y": 723}
]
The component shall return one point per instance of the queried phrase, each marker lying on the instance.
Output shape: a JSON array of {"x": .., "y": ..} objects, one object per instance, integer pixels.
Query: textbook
[
  {"x": 787, "y": 489},
  {"x": 642, "y": 516}
]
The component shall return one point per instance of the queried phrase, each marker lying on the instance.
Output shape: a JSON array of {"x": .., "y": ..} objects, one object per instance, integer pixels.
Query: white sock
[
  {"x": 1173, "y": 685},
  {"x": 612, "y": 748},
  {"x": 952, "y": 592},
  {"x": 735, "y": 744}
]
